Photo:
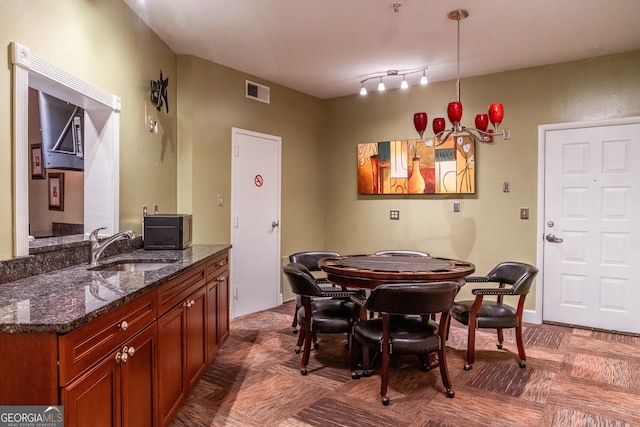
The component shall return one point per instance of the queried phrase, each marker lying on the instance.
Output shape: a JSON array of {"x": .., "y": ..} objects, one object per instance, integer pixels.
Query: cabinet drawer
[
  {"x": 217, "y": 266},
  {"x": 178, "y": 289},
  {"x": 85, "y": 346}
]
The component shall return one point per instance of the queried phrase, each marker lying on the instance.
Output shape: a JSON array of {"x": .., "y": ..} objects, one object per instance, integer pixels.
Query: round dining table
[{"x": 370, "y": 271}]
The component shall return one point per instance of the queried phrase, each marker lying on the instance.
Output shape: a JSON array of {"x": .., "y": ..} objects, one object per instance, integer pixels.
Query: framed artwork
[
  {"x": 56, "y": 191},
  {"x": 37, "y": 166},
  {"x": 412, "y": 166}
]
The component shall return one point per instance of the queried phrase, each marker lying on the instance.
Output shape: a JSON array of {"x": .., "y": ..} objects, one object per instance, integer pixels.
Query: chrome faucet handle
[{"x": 94, "y": 234}]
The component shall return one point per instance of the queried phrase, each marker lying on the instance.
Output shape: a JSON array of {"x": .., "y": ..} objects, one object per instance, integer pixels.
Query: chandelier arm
[{"x": 441, "y": 141}]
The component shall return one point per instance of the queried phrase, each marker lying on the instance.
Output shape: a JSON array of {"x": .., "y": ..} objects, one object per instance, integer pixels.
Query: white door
[
  {"x": 255, "y": 216},
  {"x": 592, "y": 227}
]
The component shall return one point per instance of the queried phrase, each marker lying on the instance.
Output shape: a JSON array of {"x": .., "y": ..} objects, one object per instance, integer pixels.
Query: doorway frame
[
  {"x": 29, "y": 70},
  {"x": 536, "y": 316}
]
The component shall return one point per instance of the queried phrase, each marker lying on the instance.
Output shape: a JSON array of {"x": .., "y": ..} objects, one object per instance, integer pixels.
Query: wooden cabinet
[
  {"x": 133, "y": 366},
  {"x": 117, "y": 391},
  {"x": 217, "y": 303},
  {"x": 182, "y": 340},
  {"x": 98, "y": 390}
]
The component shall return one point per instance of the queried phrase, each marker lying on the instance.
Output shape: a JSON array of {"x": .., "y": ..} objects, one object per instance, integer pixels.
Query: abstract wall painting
[{"x": 411, "y": 166}]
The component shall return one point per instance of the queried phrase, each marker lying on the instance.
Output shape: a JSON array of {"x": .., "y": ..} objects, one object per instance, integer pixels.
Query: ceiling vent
[{"x": 258, "y": 92}]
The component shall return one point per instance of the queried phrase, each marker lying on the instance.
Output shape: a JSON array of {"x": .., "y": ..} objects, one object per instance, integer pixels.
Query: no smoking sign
[{"x": 258, "y": 180}]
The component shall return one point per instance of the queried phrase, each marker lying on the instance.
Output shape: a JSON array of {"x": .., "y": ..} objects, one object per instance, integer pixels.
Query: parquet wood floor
[{"x": 574, "y": 377}]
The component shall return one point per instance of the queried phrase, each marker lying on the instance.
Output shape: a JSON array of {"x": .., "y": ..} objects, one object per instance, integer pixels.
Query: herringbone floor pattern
[{"x": 573, "y": 377}]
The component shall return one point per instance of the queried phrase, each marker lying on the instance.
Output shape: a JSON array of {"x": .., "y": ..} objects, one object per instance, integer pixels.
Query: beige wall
[
  {"x": 211, "y": 101},
  {"x": 185, "y": 165},
  {"x": 488, "y": 229},
  {"x": 105, "y": 44}
]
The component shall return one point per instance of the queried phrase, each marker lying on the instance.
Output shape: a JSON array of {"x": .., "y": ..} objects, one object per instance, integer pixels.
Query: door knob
[
  {"x": 553, "y": 239},
  {"x": 275, "y": 224}
]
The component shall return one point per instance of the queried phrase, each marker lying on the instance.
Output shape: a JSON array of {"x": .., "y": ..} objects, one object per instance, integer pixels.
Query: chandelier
[{"x": 480, "y": 133}]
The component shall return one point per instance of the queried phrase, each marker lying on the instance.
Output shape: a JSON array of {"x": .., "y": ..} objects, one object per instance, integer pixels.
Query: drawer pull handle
[
  {"x": 221, "y": 278},
  {"x": 188, "y": 303},
  {"x": 123, "y": 325},
  {"x": 122, "y": 357},
  {"x": 128, "y": 350}
]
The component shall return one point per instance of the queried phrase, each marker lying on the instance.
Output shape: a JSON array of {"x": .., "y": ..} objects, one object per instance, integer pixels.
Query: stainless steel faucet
[{"x": 97, "y": 248}]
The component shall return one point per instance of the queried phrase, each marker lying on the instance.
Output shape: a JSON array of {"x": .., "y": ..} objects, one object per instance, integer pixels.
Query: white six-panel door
[{"x": 591, "y": 227}]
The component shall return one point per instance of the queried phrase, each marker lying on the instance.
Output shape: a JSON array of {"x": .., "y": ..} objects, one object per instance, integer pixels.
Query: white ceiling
[{"x": 326, "y": 47}]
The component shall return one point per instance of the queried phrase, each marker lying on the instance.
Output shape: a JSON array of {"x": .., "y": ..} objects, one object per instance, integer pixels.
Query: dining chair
[
  {"x": 317, "y": 314},
  {"x": 513, "y": 278},
  {"x": 404, "y": 327},
  {"x": 393, "y": 252},
  {"x": 310, "y": 260}
]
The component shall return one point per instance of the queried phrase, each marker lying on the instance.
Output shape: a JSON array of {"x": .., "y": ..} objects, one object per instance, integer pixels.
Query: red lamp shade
[
  {"x": 438, "y": 125},
  {"x": 482, "y": 122},
  {"x": 454, "y": 111},
  {"x": 496, "y": 113},
  {"x": 420, "y": 122}
]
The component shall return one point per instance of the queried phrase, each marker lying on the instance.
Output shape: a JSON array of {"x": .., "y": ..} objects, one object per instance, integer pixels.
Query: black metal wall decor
[{"x": 159, "y": 92}]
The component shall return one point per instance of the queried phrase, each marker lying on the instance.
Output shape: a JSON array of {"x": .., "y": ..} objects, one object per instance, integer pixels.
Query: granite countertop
[{"x": 63, "y": 300}]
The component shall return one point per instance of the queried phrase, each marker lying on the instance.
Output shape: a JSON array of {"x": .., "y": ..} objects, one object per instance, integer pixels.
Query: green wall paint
[
  {"x": 185, "y": 165},
  {"x": 488, "y": 229}
]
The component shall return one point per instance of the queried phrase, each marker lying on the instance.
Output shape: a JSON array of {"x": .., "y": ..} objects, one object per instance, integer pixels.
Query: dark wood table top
[{"x": 369, "y": 271}]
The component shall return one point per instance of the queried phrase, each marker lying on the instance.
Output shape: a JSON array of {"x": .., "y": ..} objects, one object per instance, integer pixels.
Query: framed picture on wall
[
  {"x": 37, "y": 166},
  {"x": 56, "y": 191}
]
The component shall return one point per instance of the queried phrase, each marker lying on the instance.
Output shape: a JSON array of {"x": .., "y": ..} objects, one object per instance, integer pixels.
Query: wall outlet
[{"x": 394, "y": 214}]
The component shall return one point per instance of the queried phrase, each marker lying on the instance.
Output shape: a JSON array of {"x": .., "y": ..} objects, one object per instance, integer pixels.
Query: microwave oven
[{"x": 167, "y": 231}]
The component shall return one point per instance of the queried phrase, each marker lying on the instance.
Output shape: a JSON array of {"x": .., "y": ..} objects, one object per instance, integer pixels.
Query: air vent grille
[{"x": 258, "y": 92}]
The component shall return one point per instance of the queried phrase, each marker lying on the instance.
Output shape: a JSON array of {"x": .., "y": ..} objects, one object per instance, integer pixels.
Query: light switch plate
[
  {"x": 524, "y": 213},
  {"x": 456, "y": 206},
  {"x": 220, "y": 200}
]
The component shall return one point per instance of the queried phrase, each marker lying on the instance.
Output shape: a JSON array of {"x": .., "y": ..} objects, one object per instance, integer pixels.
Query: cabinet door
[
  {"x": 223, "y": 307},
  {"x": 196, "y": 337},
  {"x": 171, "y": 363},
  {"x": 138, "y": 380},
  {"x": 94, "y": 398},
  {"x": 212, "y": 320}
]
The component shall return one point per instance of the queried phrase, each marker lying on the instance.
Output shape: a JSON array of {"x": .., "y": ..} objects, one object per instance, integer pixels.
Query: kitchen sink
[{"x": 133, "y": 265}]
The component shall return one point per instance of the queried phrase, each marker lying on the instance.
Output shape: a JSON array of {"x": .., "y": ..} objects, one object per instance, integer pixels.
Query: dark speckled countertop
[{"x": 63, "y": 300}]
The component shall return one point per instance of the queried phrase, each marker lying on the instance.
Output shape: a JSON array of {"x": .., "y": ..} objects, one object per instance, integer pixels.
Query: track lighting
[
  {"x": 392, "y": 76},
  {"x": 424, "y": 80}
]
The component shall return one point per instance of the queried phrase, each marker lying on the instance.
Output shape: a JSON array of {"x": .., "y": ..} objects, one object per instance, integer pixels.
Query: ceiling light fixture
[
  {"x": 424, "y": 80},
  {"x": 454, "y": 111},
  {"x": 391, "y": 74}
]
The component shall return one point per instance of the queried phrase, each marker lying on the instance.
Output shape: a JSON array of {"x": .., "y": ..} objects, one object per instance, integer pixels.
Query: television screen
[{"x": 62, "y": 131}]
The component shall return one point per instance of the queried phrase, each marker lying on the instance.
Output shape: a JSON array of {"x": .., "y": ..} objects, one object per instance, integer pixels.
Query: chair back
[
  {"x": 402, "y": 252},
  {"x": 413, "y": 298},
  {"x": 310, "y": 259},
  {"x": 517, "y": 274},
  {"x": 301, "y": 280}
]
